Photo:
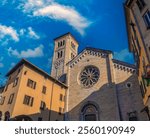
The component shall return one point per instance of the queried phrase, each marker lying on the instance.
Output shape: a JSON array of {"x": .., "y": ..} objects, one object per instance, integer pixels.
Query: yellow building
[
  {"x": 138, "y": 27},
  {"x": 32, "y": 94}
]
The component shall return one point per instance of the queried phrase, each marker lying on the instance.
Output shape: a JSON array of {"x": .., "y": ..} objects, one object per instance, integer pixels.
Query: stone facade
[{"x": 111, "y": 96}]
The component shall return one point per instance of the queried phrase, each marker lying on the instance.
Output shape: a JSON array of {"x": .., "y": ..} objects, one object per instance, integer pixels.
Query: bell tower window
[{"x": 59, "y": 54}]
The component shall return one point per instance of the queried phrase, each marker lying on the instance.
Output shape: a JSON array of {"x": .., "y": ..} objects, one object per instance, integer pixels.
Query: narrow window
[
  {"x": 31, "y": 84},
  {"x": 11, "y": 98},
  {"x": 61, "y": 97},
  {"x": 63, "y": 42},
  {"x": 141, "y": 4},
  {"x": 146, "y": 18},
  {"x": 43, "y": 105},
  {"x": 15, "y": 82},
  {"x": 28, "y": 100},
  {"x": 60, "y": 111},
  {"x": 58, "y": 44},
  {"x": 44, "y": 89}
]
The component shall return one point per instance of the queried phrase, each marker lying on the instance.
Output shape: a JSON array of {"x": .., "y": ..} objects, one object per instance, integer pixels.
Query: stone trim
[
  {"x": 124, "y": 68},
  {"x": 85, "y": 53}
]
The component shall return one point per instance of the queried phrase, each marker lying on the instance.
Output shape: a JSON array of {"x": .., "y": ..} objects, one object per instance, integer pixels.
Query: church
[
  {"x": 100, "y": 88},
  {"x": 86, "y": 86}
]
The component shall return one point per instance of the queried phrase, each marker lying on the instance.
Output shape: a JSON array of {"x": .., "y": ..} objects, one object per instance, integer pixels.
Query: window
[
  {"x": 72, "y": 45},
  {"x": 72, "y": 56},
  {"x": 28, "y": 100},
  {"x": 11, "y": 98},
  {"x": 61, "y": 97},
  {"x": 141, "y": 4},
  {"x": 60, "y": 111},
  {"x": 44, "y": 89},
  {"x": 15, "y": 82},
  {"x": 132, "y": 116},
  {"x": 25, "y": 72},
  {"x": 2, "y": 99},
  {"x": 89, "y": 76},
  {"x": 147, "y": 19},
  {"x": 63, "y": 42},
  {"x": 31, "y": 84},
  {"x": 58, "y": 44},
  {"x": 60, "y": 54},
  {"x": 128, "y": 84},
  {"x": 43, "y": 105}
]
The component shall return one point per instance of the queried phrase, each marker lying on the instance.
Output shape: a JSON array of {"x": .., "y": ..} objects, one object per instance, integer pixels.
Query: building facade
[
  {"x": 85, "y": 86},
  {"x": 31, "y": 94},
  {"x": 138, "y": 27},
  {"x": 99, "y": 87}
]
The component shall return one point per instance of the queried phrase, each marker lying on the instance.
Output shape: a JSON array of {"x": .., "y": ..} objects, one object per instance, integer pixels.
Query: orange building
[{"x": 32, "y": 94}]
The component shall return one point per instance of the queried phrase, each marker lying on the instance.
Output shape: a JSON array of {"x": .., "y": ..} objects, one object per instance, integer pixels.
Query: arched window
[
  {"x": 63, "y": 42},
  {"x": 7, "y": 116},
  {"x": 90, "y": 112},
  {"x": 58, "y": 44},
  {"x": 0, "y": 115}
]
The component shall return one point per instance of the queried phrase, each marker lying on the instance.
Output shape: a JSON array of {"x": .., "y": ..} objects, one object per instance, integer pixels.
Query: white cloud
[
  {"x": 29, "y": 32},
  {"x": 32, "y": 34},
  {"x": 29, "y": 53},
  {"x": 58, "y": 12},
  {"x": 8, "y": 31},
  {"x": 31, "y": 4},
  {"x": 64, "y": 13},
  {"x": 22, "y": 31},
  {"x": 123, "y": 55}
]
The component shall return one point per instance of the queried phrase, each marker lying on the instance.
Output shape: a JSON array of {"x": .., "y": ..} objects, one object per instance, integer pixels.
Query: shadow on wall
[
  {"x": 112, "y": 102},
  {"x": 44, "y": 115}
]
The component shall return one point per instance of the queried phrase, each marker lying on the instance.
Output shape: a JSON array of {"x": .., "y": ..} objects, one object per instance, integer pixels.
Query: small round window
[{"x": 89, "y": 76}]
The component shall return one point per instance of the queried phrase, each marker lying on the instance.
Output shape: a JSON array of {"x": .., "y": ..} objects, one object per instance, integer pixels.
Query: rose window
[{"x": 89, "y": 76}]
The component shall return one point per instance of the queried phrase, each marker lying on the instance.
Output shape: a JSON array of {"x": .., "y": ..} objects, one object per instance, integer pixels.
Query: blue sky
[{"x": 28, "y": 27}]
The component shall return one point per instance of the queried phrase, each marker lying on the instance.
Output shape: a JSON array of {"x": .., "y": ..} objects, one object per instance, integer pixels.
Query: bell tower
[{"x": 66, "y": 48}]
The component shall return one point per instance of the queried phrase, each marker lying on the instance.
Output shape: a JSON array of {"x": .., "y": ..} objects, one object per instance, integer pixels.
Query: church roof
[
  {"x": 124, "y": 63},
  {"x": 90, "y": 49},
  {"x": 99, "y": 50},
  {"x": 65, "y": 35}
]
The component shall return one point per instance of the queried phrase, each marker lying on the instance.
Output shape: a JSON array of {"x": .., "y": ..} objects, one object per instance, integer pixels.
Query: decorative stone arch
[
  {"x": 90, "y": 112},
  {"x": 7, "y": 116}
]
